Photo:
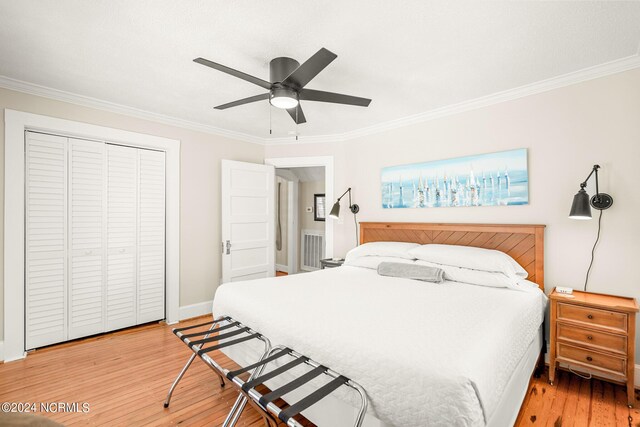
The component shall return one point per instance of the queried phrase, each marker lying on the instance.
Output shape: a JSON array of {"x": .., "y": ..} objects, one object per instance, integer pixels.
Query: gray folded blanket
[{"x": 411, "y": 271}]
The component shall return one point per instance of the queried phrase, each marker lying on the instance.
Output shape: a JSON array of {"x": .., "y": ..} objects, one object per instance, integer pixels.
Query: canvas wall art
[{"x": 494, "y": 179}]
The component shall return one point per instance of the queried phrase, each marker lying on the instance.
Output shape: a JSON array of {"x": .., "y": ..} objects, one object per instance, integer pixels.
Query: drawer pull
[
  {"x": 590, "y": 316},
  {"x": 589, "y": 337},
  {"x": 589, "y": 358}
]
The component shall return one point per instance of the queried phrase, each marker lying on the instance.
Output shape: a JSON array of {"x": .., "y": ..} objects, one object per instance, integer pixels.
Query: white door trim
[
  {"x": 301, "y": 162},
  {"x": 16, "y": 123},
  {"x": 292, "y": 228}
]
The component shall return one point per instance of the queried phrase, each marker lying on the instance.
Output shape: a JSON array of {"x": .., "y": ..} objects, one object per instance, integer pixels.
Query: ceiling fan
[{"x": 287, "y": 84}]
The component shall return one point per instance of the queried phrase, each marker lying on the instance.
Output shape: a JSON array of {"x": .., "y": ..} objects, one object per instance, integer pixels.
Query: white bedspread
[{"x": 427, "y": 354}]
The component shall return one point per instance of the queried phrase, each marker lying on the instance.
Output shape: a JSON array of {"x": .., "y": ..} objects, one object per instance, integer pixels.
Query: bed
[{"x": 427, "y": 354}]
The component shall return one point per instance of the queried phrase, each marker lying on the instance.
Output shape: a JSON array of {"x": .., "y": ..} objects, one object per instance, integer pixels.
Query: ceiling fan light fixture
[{"x": 284, "y": 98}]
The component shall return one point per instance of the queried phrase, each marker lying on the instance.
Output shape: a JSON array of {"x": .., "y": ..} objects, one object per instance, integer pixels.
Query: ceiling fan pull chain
[
  {"x": 270, "y": 125},
  {"x": 297, "y": 123}
]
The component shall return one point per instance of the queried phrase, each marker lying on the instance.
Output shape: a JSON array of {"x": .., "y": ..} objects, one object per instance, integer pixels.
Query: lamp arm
[
  {"x": 595, "y": 169},
  {"x": 348, "y": 191}
]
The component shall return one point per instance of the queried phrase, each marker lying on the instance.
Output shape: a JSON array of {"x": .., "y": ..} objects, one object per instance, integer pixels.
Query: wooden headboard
[{"x": 524, "y": 243}]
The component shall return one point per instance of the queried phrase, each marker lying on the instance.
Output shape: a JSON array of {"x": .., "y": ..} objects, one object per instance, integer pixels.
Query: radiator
[{"x": 312, "y": 249}]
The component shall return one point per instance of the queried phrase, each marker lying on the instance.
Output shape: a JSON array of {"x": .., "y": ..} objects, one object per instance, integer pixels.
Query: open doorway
[
  {"x": 300, "y": 219},
  {"x": 292, "y": 167}
]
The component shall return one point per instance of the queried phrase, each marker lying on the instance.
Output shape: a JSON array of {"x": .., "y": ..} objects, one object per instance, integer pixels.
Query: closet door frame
[{"x": 16, "y": 124}]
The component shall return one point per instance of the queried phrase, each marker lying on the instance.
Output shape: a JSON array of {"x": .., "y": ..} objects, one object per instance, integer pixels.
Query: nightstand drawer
[
  {"x": 584, "y": 357},
  {"x": 592, "y": 316},
  {"x": 601, "y": 340}
]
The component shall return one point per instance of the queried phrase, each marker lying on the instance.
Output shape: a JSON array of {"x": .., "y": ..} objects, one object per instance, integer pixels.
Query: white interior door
[
  {"x": 86, "y": 247},
  {"x": 248, "y": 221},
  {"x": 45, "y": 240},
  {"x": 151, "y": 235},
  {"x": 122, "y": 196}
]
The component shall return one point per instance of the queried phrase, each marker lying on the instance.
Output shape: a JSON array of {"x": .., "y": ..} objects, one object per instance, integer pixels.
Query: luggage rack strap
[
  {"x": 227, "y": 344},
  {"x": 209, "y": 331},
  {"x": 218, "y": 337},
  {"x": 311, "y": 399},
  {"x": 266, "y": 377},
  {"x": 292, "y": 385},
  {"x": 232, "y": 374},
  {"x": 176, "y": 330}
]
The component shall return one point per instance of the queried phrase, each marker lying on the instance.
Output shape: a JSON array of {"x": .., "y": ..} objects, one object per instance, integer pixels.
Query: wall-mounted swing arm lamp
[
  {"x": 581, "y": 209},
  {"x": 335, "y": 210},
  {"x": 581, "y": 206}
]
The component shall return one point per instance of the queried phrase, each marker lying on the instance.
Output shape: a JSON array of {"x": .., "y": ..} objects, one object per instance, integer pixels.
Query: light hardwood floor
[{"x": 124, "y": 377}]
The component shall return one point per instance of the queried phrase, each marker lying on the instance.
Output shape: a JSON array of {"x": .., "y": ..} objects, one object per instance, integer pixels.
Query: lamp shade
[
  {"x": 580, "y": 208},
  {"x": 335, "y": 210}
]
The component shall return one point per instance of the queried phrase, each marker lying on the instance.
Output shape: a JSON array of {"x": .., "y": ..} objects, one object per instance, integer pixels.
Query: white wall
[
  {"x": 200, "y": 186},
  {"x": 305, "y": 199},
  {"x": 566, "y": 131}
]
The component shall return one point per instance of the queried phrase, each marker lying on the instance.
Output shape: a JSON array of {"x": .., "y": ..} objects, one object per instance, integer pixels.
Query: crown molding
[
  {"x": 590, "y": 73},
  {"x": 602, "y": 70},
  {"x": 86, "y": 101}
]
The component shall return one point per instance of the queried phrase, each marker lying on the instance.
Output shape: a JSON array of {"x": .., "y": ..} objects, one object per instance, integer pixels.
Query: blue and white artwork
[{"x": 494, "y": 179}]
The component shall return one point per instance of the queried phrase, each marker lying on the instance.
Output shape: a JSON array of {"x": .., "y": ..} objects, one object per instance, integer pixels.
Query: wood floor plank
[
  {"x": 571, "y": 402},
  {"x": 558, "y": 402}
]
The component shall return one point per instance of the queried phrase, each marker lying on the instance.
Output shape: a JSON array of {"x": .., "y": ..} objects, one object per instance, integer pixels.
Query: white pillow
[
  {"x": 388, "y": 249},
  {"x": 476, "y": 277},
  {"x": 470, "y": 257},
  {"x": 374, "y": 261}
]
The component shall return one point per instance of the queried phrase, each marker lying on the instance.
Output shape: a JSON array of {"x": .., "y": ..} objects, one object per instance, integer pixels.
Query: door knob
[{"x": 228, "y": 247}]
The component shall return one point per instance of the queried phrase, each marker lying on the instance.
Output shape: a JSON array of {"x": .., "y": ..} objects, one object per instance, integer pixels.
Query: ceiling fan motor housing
[{"x": 280, "y": 68}]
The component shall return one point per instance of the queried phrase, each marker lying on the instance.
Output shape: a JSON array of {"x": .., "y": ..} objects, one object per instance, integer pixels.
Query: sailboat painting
[{"x": 494, "y": 179}]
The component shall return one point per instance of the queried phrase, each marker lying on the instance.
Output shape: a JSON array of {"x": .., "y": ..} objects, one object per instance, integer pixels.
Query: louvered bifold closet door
[
  {"x": 45, "y": 240},
  {"x": 151, "y": 238},
  {"x": 121, "y": 236},
  {"x": 86, "y": 238}
]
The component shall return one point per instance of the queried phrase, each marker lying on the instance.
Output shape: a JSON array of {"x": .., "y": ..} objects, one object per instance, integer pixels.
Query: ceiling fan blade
[
  {"x": 239, "y": 74},
  {"x": 243, "y": 101},
  {"x": 337, "y": 98},
  {"x": 301, "y": 118},
  {"x": 307, "y": 71}
]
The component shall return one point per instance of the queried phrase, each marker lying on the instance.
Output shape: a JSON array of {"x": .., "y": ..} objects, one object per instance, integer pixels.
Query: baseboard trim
[
  {"x": 195, "y": 310},
  {"x": 1, "y": 351},
  {"x": 283, "y": 268}
]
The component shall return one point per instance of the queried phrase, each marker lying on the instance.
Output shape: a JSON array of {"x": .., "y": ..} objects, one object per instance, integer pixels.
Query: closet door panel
[
  {"x": 151, "y": 237},
  {"x": 122, "y": 186},
  {"x": 46, "y": 240},
  {"x": 86, "y": 239}
]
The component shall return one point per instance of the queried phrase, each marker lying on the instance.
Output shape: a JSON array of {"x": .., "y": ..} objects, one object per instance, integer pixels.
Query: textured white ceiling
[{"x": 408, "y": 56}]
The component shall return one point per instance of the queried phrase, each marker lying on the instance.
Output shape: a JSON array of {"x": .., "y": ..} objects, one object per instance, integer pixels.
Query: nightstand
[
  {"x": 331, "y": 263},
  {"x": 595, "y": 334}
]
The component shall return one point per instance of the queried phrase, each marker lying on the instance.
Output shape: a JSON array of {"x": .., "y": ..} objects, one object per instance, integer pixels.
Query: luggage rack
[{"x": 202, "y": 343}]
